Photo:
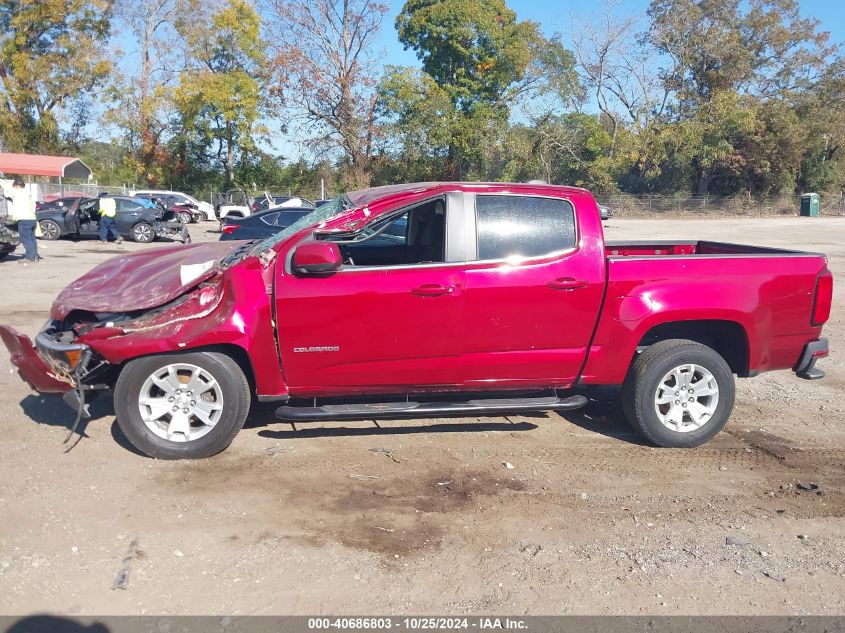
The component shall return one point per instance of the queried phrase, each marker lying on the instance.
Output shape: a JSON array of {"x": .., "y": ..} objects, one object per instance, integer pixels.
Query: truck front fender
[{"x": 239, "y": 315}]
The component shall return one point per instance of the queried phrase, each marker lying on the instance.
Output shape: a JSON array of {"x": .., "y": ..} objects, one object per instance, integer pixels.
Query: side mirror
[{"x": 317, "y": 257}]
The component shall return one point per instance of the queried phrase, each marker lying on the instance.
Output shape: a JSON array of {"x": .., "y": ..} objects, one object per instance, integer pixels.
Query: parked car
[
  {"x": 236, "y": 204},
  {"x": 137, "y": 219},
  {"x": 54, "y": 200},
  {"x": 9, "y": 238},
  {"x": 177, "y": 197},
  {"x": 187, "y": 213},
  {"x": 605, "y": 212},
  {"x": 266, "y": 202},
  {"x": 64, "y": 203},
  {"x": 261, "y": 225},
  {"x": 500, "y": 288}
]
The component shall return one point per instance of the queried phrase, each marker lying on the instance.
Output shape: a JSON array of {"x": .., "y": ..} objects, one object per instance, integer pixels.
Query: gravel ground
[{"x": 311, "y": 519}]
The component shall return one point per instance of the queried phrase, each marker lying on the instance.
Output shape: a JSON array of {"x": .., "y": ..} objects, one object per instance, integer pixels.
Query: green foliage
[
  {"x": 474, "y": 49},
  {"x": 52, "y": 53},
  {"x": 477, "y": 59},
  {"x": 716, "y": 97},
  {"x": 219, "y": 99}
]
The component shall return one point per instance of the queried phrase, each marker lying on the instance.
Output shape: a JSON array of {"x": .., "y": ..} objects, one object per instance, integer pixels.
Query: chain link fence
[
  {"x": 51, "y": 190},
  {"x": 626, "y": 205}
]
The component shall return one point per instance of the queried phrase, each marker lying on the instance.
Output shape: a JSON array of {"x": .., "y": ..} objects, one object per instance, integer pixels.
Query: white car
[
  {"x": 204, "y": 207},
  {"x": 262, "y": 203}
]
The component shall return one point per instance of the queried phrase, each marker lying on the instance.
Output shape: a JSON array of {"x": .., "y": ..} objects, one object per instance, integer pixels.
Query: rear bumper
[
  {"x": 806, "y": 366},
  {"x": 40, "y": 365}
]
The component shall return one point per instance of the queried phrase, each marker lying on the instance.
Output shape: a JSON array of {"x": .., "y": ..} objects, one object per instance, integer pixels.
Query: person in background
[
  {"x": 23, "y": 211},
  {"x": 108, "y": 209}
]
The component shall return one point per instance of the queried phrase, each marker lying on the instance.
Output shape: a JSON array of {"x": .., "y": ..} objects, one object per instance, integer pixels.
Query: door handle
[
  {"x": 432, "y": 290},
  {"x": 567, "y": 283}
]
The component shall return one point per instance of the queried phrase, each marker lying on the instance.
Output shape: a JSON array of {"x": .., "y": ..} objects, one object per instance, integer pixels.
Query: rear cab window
[{"x": 515, "y": 226}]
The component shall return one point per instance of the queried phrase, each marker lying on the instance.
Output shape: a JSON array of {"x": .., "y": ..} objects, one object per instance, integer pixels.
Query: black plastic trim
[
  {"x": 403, "y": 409},
  {"x": 806, "y": 366}
]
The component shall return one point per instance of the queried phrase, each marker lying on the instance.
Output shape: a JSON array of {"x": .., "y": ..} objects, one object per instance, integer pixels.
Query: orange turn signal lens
[{"x": 73, "y": 357}]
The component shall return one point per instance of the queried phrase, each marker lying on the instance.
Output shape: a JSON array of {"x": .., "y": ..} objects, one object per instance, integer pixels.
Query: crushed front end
[
  {"x": 58, "y": 363},
  {"x": 43, "y": 375}
]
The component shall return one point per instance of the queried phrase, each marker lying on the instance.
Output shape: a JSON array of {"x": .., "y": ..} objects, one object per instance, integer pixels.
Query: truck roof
[
  {"x": 368, "y": 204},
  {"x": 387, "y": 193}
]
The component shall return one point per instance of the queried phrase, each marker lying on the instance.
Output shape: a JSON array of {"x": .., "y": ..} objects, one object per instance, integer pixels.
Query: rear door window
[
  {"x": 523, "y": 226},
  {"x": 270, "y": 218}
]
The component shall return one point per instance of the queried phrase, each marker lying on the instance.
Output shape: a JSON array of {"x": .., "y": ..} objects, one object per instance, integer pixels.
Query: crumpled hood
[{"x": 144, "y": 280}]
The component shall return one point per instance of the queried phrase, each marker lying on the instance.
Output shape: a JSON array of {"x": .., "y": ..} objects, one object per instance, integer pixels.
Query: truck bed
[
  {"x": 669, "y": 248},
  {"x": 768, "y": 292}
]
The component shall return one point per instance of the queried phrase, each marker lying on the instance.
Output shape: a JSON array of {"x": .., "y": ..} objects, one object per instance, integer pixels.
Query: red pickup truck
[{"x": 428, "y": 299}]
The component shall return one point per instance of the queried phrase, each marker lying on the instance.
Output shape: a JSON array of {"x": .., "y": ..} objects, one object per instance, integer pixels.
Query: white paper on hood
[{"x": 189, "y": 272}]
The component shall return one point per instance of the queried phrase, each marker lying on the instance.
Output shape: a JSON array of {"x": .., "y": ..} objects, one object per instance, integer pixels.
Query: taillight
[
  {"x": 823, "y": 298},
  {"x": 230, "y": 228}
]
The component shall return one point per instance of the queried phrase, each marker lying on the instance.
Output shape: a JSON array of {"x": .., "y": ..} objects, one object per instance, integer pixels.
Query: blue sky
[
  {"x": 556, "y": 16},
  {"x": 553, "y": 16}
]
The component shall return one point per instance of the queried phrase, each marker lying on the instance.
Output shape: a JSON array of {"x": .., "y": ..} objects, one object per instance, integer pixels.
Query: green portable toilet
[{"x": 810, "y": 205}]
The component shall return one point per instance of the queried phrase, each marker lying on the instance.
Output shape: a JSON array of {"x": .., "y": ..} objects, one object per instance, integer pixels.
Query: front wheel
[
  {"x": 143, "y": 233},
  {"x": 185, "y": 217},
  {"x": 50, "y": 230},
  {"x": 678, "y": 393},
  {"x": 185, "y": 406}
]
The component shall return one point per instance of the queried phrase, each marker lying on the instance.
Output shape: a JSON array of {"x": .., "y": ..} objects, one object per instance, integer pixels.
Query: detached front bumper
[
  {"x": 806, "y": 367},
  {"x": 47, "y": 366},
  {"x": 172, "y": 229}
]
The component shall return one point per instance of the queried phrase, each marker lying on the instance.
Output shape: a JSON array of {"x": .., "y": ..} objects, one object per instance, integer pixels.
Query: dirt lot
[{"x": 422, "y": 516}]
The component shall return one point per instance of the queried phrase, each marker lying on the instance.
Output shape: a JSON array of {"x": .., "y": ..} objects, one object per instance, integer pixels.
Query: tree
[
  {"x": 51, "y": 54},
  {"x": 220, "y": 96},
  {"x": 481, "y": 60},
  {"x": 325, "y": 75},
  {"x": 723, "y": 50},
  {"x": 143, "y": 104}
]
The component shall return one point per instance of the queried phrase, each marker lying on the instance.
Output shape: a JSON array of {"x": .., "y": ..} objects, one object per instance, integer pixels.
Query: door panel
[
  {"x": 520, "y": 330},
  {"x": 367, "y": 330},
  {"x": 529, "y": 317},
  {"x": 390, "y": 322}
]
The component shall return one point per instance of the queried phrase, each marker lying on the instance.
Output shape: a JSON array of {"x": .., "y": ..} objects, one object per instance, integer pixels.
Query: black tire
[
  {"x": 236, "y": 402},
  {"x": 50, "y": 230},
  {"x": 185, "y": 217},
  {"x": 4, "y": 255},
  {"x": 645, "y": 375},
  {"x": 143, "y": 233}
]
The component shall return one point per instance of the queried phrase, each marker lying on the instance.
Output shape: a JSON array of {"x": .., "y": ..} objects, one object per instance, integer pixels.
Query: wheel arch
[
  {"x": 728, "y": 338},
  {"x": 233, "y": 351}
]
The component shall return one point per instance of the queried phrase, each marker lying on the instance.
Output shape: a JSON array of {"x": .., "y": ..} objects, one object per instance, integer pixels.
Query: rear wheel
[
  {"x": 143, "y": 233},
  {"x": 678, "y": 393},
  {"x": 182, "y": 406},
  {"x": 185, "y": 217},
  {"x": 50, "y": 230}
]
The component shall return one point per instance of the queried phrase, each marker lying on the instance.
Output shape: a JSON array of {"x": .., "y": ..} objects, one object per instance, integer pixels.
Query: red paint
[
  {"x": 317, "y": 257},
  {"x": 138, "y": 281},
  {"x": 32, "y": 369},
  {"x": 541, "y": 322}
]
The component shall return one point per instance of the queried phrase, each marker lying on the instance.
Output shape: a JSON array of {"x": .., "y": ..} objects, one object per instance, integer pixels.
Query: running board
[{"x": 394, "y": 410}]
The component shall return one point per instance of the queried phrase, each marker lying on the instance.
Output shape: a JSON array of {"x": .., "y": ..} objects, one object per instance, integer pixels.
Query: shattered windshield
[{"x": 321, "y": 213}]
